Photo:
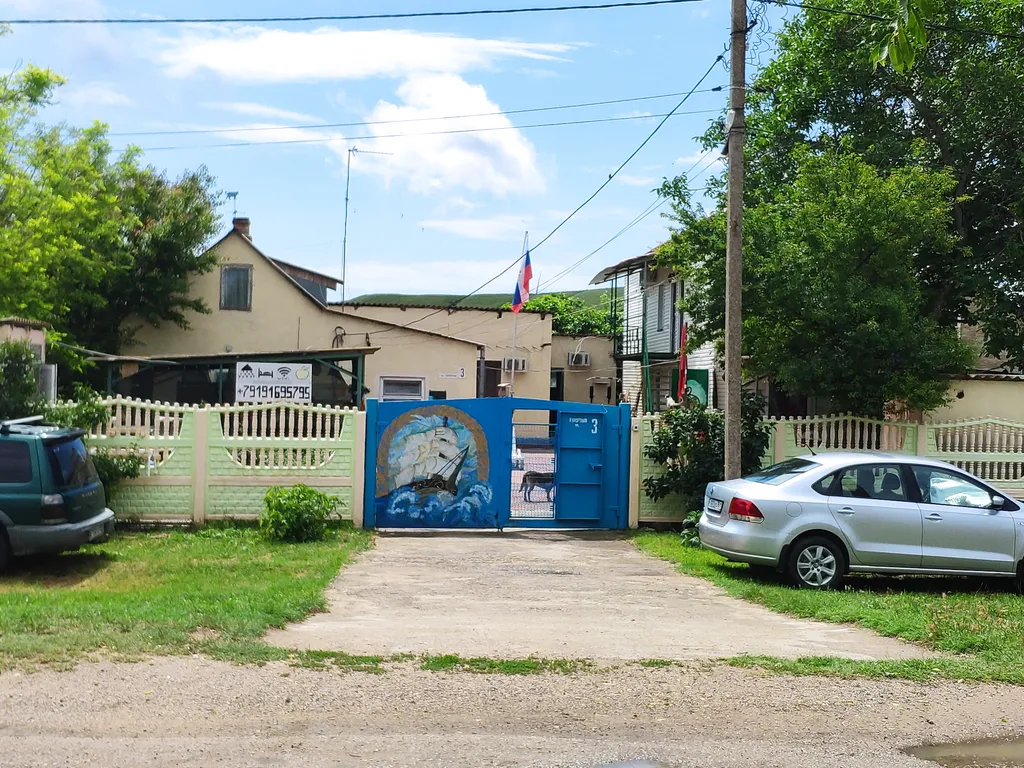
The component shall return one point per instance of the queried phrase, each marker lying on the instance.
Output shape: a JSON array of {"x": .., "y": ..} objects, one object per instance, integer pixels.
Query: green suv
[{"x": 51, "y": 499}]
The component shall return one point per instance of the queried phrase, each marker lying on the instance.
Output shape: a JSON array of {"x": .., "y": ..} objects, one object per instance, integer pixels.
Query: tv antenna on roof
[
  {"x": 344, "y": 236},
  {"x": 233, "y": 197}
]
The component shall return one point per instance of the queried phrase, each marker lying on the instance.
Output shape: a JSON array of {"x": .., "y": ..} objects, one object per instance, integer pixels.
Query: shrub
[
  {"x": 690, "y": 444},
  {"x": 19, "y": 381},
  {"x": 299, "y": 513},
  {"x": 85, "y": 411},
  {"x": 113, "y": 468}
]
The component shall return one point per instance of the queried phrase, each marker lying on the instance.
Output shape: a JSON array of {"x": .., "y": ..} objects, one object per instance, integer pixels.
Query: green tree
[
  {"x": 572, "y": 316},
  {"x": 89, "y": 240},
  {"x": 832, "y": 302},
  {"x": 958, "y": 111}
]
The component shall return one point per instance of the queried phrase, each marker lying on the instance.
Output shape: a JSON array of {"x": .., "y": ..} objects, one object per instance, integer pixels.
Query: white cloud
[
  {"x": 253, "y": 54},
  {"x": 498, "y": 162},
  {"x": 635, "y": 181},
  {"x": 93, "y": 95},
  {"x": 500, "y": 227},
  {"x": 261, "y": 110}
]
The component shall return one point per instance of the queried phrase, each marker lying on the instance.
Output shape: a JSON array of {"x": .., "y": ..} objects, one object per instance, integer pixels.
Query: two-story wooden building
[{"x": 648, "y": 349}]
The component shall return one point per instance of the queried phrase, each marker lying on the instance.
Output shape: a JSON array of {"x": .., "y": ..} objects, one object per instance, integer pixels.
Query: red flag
[{"x": 682, "y": 363}]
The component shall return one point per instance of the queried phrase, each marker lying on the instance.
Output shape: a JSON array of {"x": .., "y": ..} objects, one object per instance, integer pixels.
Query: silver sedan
[{"x": 821, "y": 516}]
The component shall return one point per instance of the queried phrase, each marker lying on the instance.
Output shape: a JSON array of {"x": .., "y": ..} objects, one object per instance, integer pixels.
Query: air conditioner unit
[
  {"x": 516, "y": 364},
  {"x": 579, "y": 359}
]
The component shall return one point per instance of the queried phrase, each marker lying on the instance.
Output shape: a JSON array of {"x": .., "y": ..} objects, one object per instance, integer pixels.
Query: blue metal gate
[{"x": 450, "y": 464}]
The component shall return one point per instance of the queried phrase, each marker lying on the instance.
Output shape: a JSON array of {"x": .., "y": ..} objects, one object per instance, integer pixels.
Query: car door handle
[
  {"x": 845, "y": 511},
  {"x": 933, "y": 516}
]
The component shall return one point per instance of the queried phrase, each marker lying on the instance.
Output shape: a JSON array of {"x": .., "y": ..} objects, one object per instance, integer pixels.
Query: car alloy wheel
[{"x": 816, "y": 563}]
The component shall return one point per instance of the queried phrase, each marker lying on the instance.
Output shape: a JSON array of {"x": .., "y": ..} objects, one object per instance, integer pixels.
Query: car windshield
[
  {"x": 777, "y": 474},
  {"x": 72, "y": 465}
]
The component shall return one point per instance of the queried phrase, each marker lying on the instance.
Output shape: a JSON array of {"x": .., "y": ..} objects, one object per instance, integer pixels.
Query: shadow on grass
[
  {"x": 62, "y": 570},
  {"x": 880, "y": 583}
]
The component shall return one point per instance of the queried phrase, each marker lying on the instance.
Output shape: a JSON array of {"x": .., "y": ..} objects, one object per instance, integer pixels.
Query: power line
[
  {"x": 580, "y": 207},
  {"x": 354, "y": 17},
  {"x": 635, "y": 152},
  {"x": 877, "y": 17},
  {"x": 660, "y": 201},
  {"x": 449, "y": 132},
  {"x": 251, "y": 129}
]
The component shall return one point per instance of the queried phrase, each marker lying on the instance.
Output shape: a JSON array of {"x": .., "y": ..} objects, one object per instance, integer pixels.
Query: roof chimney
[{"x": 241, "y": 225}]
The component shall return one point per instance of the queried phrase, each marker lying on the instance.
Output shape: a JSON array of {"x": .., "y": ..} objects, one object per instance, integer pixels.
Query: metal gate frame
[{"x": 471, "y": 439}]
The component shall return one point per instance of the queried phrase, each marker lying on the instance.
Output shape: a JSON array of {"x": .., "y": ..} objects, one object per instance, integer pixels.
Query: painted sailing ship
[{"x": 429, "y": 461}]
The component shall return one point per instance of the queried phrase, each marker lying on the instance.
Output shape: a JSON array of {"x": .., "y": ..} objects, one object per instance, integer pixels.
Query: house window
[
  {"x": 662, "y": 301},
  {"x": 394, "y": 388},
  {"x": 236, "y": 287}
]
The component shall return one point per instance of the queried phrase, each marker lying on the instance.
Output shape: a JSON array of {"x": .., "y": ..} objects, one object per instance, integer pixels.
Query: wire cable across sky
[
  {"x": 354, "y": 16},
  {"x": 718, "y": 60}
]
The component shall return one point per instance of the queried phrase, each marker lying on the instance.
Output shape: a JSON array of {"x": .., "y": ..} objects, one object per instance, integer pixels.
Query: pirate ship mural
[{"x": 432, "y": 469}]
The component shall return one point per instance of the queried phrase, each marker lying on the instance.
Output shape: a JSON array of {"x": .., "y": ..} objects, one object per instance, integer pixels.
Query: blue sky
[{"x": 441, "y": 213}]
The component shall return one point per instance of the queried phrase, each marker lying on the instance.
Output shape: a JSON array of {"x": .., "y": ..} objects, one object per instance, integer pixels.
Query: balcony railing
[{"x": 628, "y": 343}]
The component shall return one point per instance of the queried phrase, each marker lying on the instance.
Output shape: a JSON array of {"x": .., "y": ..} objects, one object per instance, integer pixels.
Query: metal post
[
  {"x": 512, "y": 381},
  {"x": 344, "y": 235},
  {"x": 734, "y": 242}
]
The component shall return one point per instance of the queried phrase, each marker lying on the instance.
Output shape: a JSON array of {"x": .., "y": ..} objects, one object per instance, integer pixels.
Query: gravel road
[{"x": 197, "y": 712}]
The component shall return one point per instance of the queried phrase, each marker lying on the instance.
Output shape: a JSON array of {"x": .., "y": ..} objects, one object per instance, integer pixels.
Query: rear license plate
[
  {"x": 96, "y": 533},
  {"x": 714, "y": 505}
]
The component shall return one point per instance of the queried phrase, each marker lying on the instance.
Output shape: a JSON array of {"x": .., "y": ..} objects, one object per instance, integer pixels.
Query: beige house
[
  {"x": 531, "y": 355},
  {"x": 584, "y": 370},
  {"x": 262, "y": 309},
  {"x": 266, "y": 310}
]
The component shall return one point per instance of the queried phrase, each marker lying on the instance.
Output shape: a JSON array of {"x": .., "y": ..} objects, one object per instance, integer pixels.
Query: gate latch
[{"x": 596, "y": 466}]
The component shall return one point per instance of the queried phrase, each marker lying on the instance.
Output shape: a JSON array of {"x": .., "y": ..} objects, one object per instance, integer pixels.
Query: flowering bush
[{"x": 690, "y": 444}]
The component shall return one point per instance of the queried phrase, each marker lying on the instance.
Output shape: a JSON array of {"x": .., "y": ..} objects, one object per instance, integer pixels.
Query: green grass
[
  {"x": 214, "y": 592},
  {"x": 978, "y": 626},
  {"x": 487, "y": 666}
]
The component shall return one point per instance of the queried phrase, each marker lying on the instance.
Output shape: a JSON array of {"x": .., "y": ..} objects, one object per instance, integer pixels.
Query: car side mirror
[{"x": 997, "y": 502}]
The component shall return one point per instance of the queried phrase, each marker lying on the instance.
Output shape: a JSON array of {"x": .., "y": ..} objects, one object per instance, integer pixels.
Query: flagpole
[{"x": 515, "y": 328}]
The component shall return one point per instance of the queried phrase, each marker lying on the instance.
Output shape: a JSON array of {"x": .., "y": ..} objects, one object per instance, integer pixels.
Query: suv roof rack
[{"x": 5, "y": 426}]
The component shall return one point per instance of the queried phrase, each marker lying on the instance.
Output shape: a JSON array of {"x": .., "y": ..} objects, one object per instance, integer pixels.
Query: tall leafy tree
[
  {"x": 958, "y": 110},
  {"x": 89, "y": 240},
  {"x": 832, "y": 303},
  {"x": 936, "y": 149}
]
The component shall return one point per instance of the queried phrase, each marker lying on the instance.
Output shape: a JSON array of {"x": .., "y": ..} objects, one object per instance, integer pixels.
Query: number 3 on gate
[{"x": 593, "y": 426}]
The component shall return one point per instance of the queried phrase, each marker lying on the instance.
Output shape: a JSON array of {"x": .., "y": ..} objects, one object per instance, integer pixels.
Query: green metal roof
[{"x": 592, "y": 296}]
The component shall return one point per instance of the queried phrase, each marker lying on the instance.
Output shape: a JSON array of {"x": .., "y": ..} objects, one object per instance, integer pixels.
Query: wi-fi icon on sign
[{"x": 284, "y": 372}]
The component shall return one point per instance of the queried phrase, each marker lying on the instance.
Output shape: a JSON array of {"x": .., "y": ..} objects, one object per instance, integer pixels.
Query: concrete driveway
[{"x": 553, "y": 595}]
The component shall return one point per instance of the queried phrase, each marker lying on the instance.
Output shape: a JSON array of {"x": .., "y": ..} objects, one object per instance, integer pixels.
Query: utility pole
[{"x": 735, "y": 130}]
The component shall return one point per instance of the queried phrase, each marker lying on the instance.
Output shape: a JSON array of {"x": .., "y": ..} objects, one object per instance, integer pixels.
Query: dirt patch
[{"x": 553, "y": 595}]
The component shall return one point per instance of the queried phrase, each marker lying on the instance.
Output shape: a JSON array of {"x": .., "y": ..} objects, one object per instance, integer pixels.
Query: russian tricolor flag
[{"x": 522, "y": 293}]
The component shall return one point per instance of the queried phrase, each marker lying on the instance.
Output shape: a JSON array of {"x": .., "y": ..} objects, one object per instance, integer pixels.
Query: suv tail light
[
  {"x": 741, "y": 509},
  {"x": 53, "y": 510}
]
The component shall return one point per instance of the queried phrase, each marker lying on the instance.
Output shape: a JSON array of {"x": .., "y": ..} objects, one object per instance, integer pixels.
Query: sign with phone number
[
  {"x": 255, "y": 393},
  {"x": 272, "y": 382}
]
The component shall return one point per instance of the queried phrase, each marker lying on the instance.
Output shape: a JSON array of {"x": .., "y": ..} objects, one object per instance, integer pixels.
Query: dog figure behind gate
[{"x": 543, "y": 480}]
